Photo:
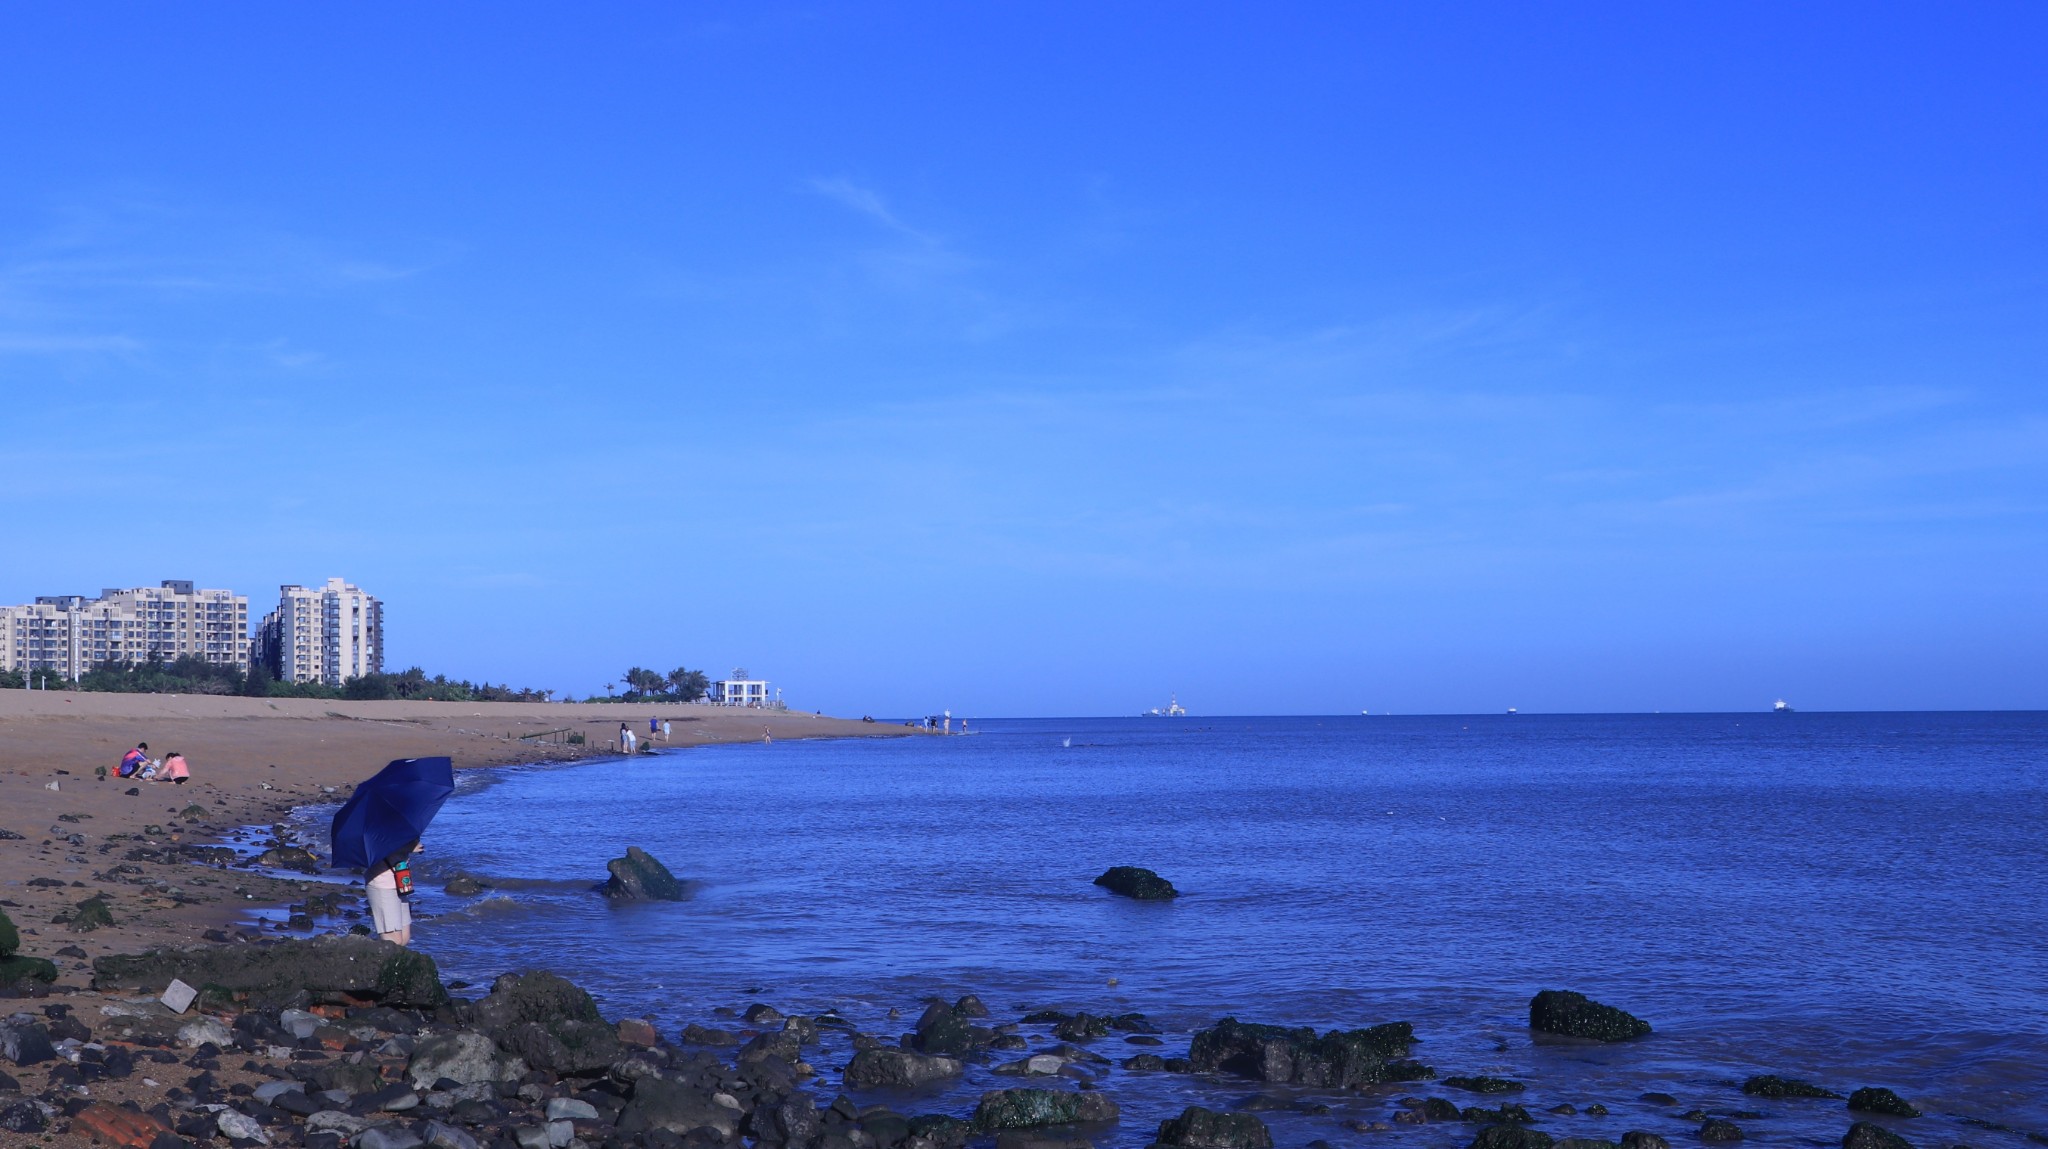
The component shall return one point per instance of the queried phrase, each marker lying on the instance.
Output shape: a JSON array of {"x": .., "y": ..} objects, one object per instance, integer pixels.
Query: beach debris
[
  {"x": 1137, "y": 882},
  {"x": 1199, "y": 1128},
  {"x": 1877, "y": 1099},
  {"x": 1571, "y": 1014},
  {"x": 639, "y": 876},
  {"x": 1340, "y": 1058},
  {"x": 177, "y": 996},
  {"x": 50, "y": 785}
]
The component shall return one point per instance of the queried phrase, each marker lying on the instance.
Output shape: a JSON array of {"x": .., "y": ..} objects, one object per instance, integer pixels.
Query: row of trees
[
  {"x": 194, "y": 675},
  {"x": 679, "y": 685}
]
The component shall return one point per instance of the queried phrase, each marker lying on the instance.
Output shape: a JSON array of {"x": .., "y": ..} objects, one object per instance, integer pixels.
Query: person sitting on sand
[
  {"x": 134, "y": 760},
  {"x": 175, "y": 769},
  {"x": 389, "y": 885}
]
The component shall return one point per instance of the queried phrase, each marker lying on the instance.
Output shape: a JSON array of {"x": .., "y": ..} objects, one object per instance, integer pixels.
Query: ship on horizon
[
  {"x": 1781, "y": 707},
  {"x": 1172, "y": 709}
]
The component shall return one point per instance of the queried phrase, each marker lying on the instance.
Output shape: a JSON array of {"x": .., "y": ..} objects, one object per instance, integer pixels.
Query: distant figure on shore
[
  {"x": 653, "y": 728},
  {"x": 389, "y": 886},
  {"x": 664, "y": 730},
  {"x": 134, "y": 760},
  {"x": 175, "y": 768},
  {"x": 767, "y": 735},
  {"x": 627, "y": 739}
]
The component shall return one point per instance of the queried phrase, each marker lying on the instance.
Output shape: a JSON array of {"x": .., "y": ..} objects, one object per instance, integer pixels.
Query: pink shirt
[{"x": 174, "y": 767}]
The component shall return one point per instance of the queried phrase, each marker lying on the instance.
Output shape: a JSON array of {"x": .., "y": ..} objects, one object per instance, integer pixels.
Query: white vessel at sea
[
  {"x": 1172, "y": 709},
  {"x": 1781, "y": 707}
]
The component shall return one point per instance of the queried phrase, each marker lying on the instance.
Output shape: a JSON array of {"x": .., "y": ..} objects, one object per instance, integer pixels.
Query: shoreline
[{"x": 254, "y": 761}]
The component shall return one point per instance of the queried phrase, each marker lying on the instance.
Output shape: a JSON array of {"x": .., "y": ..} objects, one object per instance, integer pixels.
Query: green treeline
[{"x": 194, "y": 675}]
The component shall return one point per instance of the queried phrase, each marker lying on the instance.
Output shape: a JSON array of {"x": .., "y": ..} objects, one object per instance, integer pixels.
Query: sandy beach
[{"x": 254, "y": 759}]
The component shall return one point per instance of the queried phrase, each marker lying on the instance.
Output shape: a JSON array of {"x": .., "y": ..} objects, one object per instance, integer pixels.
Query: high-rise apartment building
[
  {"x": 71, "y": 634},
  {"x": 326, "y": 634}
]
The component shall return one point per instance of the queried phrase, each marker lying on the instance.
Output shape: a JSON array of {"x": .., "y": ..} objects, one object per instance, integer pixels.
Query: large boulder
[
  {"x": 1199, "y": 1128},
  {"x": 547, "y": 1021},
  {"x": 896, "y": 1068},
  {"x": 1137, "y": 882},
  {"x": 464, "y": 1056},
  {"x": 25, "y": 1042},
  {"x": 337, "y": 968},
  {"x": 640, "y": 877},
  {"x": 1569, "y": 1014},
  {"x": 1030, "y": 1108},
  {"x": 1340, "y": 1058},
  {"x": 661, "y": 1104}
]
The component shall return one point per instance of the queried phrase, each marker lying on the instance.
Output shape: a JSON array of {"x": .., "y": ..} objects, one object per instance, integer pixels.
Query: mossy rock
[
  {"x": 16, "y": 970},
  {"x": 10, "y": 939},
  {"x": 1031, "y": 1108},
  {"x": 90, "y": 914},
  {"x": 193, "y": 813}
]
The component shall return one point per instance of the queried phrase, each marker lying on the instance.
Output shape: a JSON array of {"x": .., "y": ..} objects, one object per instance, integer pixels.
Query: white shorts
[{"x": 391, "y": 912}]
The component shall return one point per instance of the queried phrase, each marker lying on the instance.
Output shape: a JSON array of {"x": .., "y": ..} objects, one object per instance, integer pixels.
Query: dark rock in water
[
  {"x": 1870, "y": 1135},
  {"x": 1199, "y": 1128},
  {"x": 940, "y": 1030},
  {"x": 942, "y": 1130},
  {"x": 1029, "y": 1108},
  {"x": 1038, "y": 1139},
  {"x": 677, "y": 1108},
  {"x": 1658, "y": 1098},
  {"x": 548, "y": 1021},
  {"x": 1576, "y": 1015},
  {"x": 289, "y": 858},
  {"x": 1439, "y": 1109},
  {"x": 761, "y": 1013},
  {"x": 969, "y": 1006},
  {"x": 1511, "y": 1137},
  {"x": 1081, "y": 1027},
  {"x": 1505, "y": 1115},
  {"x": 1564, "y": 1109},
  {"x": 335, "y": 968},
  {"x": 1136, "y": 882},
  {"x": 1584, "y": 1143},
  {"x": 1637, "y": 1139},
  {"x": 639, "y": 877},
  {"x": 1483, "y": 1084},
  {"x": 1773, "y": 1086},
  {"x": 1596, "y": 1110},
  {"x": 462, "y": 886},
  {"x": 1876, "y": 1099},
  {"x": 694, "y": 1034},
  {"x": 1716, "y": 1129},
  {"x": 1150, "y": 1061},
  {"x": 898, "y": 1068},
  {"x": 1340, "y": 1058}
]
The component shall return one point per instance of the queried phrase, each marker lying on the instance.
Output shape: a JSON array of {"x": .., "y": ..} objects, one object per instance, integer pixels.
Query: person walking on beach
[
  {"x": 664, "y": 730},
  {"x": 389, "y": 887},
  {"x": 175, "y": 768}
]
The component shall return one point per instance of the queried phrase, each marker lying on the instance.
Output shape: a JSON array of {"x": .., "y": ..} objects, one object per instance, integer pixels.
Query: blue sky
[{"x": 1047, "y": 359}]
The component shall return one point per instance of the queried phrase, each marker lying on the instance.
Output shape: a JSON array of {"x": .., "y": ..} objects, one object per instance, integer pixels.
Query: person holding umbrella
[{"x": 379, "y": 829}]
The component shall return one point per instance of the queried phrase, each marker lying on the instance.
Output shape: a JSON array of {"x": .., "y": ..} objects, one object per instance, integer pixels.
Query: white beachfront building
[{"x": 740, "y": 690}]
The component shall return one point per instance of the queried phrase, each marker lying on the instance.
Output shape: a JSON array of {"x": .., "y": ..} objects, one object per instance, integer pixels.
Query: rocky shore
[{"x": 344, "y": 1040}]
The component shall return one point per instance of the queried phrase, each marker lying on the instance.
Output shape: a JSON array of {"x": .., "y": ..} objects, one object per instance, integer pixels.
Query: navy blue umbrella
[{"x": 391, "y": 810}]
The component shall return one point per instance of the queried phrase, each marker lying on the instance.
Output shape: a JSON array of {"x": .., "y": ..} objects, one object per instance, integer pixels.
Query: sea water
[{"x": 1850, "y": 899}]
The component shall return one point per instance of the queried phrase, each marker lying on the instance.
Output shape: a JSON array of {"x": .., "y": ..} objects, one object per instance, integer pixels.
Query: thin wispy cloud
[{"x": 869, "y": 203}]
